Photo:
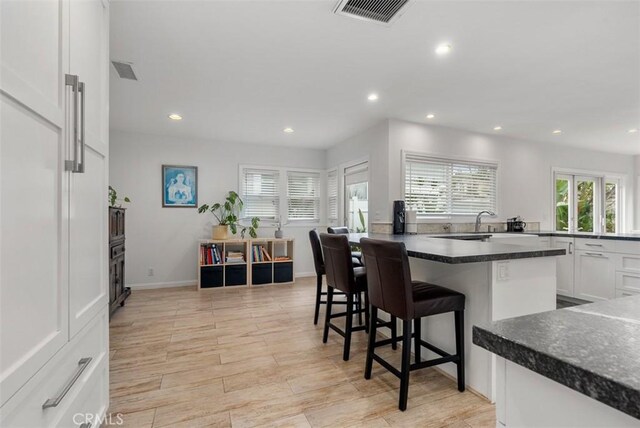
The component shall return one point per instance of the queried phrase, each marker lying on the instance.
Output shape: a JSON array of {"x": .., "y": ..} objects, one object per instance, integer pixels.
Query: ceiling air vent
[
  {"x": 379, "y": 11},
  {"x": 124, "y": 69}
]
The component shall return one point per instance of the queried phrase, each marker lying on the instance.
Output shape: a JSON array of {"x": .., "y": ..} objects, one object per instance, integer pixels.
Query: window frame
[
  {"x": 601, "y": 178},
  {"x": 449, "y": 159},
  {"x": 333, "y": 218},
  {"x": 317, "y": 199},
  {"x": 283, "y": 209}
]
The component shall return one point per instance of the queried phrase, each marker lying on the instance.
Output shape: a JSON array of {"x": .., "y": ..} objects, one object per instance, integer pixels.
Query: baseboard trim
[{"x": 152, "y": 285}]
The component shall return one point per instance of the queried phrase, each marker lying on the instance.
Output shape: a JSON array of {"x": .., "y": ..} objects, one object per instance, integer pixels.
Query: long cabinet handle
[
  {"x": 570, "y": 247},
  {"x": 83, "y": 143},
  {"x": 593, "y": 245},
  {"x": 73, "y": 81},
  {"x": 82, "y": 365},
  {"x": 595, "y": 254}
]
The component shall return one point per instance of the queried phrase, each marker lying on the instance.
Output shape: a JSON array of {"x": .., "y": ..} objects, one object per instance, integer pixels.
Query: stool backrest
[
  {"x": 337, "y": 262},
  {"x": 338, "y": 230},
  {"x": 388, "y": 276},
  {"x": 316, "y": 250}
]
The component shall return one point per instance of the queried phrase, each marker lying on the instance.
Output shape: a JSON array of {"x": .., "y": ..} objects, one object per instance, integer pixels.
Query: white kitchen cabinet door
[
  {"x": 565, "y": 269},
  {"x": 33, "y": 188},
  {"x": 594, "y": 275},
  {"x": 88, "y": 274}
]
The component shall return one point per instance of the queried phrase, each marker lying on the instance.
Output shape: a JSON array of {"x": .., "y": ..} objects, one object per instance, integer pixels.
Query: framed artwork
[{"x": 179, "y": 186}]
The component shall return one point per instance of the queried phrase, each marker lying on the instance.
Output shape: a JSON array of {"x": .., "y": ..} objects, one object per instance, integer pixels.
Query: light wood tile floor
[{"x": 252, "y": 357}]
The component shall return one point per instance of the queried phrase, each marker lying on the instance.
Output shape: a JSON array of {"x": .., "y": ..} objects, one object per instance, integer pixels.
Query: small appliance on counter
[
  {"x": 516, "y": 224},
  {"x": 411, "y": 217},
  {"x": 398, "y": 217}
]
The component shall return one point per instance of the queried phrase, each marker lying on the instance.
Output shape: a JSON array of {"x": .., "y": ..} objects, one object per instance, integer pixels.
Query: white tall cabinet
[{"x": 53, "y": 214}]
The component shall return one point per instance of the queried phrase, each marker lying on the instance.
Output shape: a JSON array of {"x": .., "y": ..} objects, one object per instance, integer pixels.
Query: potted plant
[
  {"x": 114, "y": 201},
  {"x": 228, "y": 216}
]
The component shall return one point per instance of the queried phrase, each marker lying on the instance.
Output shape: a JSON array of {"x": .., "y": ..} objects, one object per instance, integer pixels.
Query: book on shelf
[
  {"x": 210, "y": 255},
  {"x": 235, "y": 257},
  {"x": 259, "y": 254},
  {"x": 282, "y": 259}
]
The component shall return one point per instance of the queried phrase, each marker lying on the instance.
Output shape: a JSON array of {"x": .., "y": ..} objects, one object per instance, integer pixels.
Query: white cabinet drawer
[
  {"x": 628, "y": 262},
  {"x": 629, "y": 247},
  {"x": 628, "y": 281},
  {"x": 90, "y": 407},
  {"x": 25, "y": 408},
  {"x": 595, "y": 244},
  {"x": 626, "y": 293}
]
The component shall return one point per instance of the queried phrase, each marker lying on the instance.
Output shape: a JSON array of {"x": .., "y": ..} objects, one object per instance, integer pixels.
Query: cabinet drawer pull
[
  {"x": 82, "y": 365},
  {"x": 595, "y": 254},
  {"x": 593, "y": 245}
]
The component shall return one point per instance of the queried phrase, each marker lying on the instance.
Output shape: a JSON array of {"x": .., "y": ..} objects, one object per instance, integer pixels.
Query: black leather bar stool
[
  {"x": 390, "y": 288},
  {"x": 318, "y": 262},
  {"x": 343, "y": 276},
  {"x": 342, "y": 230}
]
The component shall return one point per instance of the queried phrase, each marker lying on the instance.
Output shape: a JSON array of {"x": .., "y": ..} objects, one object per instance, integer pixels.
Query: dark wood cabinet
[{"x": 118, "y": 293}]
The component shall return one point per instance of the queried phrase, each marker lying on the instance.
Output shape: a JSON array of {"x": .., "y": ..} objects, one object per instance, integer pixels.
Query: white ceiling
[{"x": 241, "y": 71}]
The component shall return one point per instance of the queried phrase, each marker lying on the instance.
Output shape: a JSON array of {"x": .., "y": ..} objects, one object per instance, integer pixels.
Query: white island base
[
  {"x": 535, "y": 401},
  {"x": 494, "y": 290}
]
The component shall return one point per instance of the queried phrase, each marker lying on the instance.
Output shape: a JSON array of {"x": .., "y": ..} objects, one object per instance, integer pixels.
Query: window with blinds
[
  {"x": 303, "y": 196},
  {"x": 436, "y": 186},
  {"x": 261, "y": 193},
  {"x": 332, "y": 195}
]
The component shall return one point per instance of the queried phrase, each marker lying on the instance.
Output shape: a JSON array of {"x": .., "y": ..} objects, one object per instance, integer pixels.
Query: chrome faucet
[{"x": 478, "y": 219}]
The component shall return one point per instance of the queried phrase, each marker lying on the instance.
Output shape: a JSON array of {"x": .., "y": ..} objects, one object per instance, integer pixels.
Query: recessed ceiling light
[
  {"x": 443, "y": 49},
  {"x": 633, "y": 130},
  {"x": 175, "y": 116},
  {"x": 431, "y": 116},
  {"x": 288, "y": 130},
  {"x": 497, "y": 128},
  {"x": 373, "y": 97},
  {"x": 557, "y": 131}
]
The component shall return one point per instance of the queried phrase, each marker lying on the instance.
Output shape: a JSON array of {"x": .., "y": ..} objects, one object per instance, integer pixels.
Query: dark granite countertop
[
  {"x": 593, "y": 349},
  {"x": 461, "y": 251},
  {"x": 611, "y": 236}
]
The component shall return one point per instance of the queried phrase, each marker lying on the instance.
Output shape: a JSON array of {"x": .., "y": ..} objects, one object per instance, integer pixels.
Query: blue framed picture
[{"x": 180, "y": 186}]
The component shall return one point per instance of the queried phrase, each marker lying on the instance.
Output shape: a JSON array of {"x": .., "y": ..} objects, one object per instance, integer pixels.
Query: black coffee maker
[
  {"x": 398, "y": 217},
  {"x": 516, "y": 224}
]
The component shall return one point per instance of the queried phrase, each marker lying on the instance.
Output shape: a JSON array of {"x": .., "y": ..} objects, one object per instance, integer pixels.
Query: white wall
[
  {"x": 637, "y": 192},
  {"x": 524, "y": 166},
  {"x": 165, "y": 239},
  {"x": 373, "y": 145}
]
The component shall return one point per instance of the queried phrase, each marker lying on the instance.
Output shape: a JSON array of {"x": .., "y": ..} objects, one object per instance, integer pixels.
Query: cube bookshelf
[{"x": 244, "y": 262}]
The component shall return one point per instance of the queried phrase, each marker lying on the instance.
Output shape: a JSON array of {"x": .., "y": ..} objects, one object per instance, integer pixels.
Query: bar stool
[
  {"x": 318, "y": 262},
  {"x": 342, "y": 230},
  {"x": 343, "y": 276},
  {"x": 390, "y": 288}
]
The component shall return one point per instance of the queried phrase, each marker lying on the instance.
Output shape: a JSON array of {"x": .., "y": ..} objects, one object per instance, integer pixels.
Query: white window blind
[
  {"x": 332, "y": 195},
  {"x": 260, "y": 193},
  {"x": 449, "y": 187},
  {"x": 303, "y": 196}
]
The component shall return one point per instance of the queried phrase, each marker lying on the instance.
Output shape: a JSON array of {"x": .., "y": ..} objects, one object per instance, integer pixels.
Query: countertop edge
[{"x": 598, "y": 387}]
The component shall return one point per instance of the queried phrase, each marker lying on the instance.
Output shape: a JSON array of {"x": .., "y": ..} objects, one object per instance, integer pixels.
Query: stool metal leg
[
  {"x": 318, "y": 298},
  {"x": 406, "y": 362},
  {"x": 373, "y": 323},
  {"x": 459, "y": 320},
  {"x": 416, "y": 340},
  {"x": 325, "y": 334},
  {"x": 394, "y": 332},
  {"x": 348, "y": 327}
]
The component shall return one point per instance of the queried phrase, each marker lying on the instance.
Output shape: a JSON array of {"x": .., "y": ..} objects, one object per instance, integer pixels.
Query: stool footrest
[
  {"x": 432, "y": 347},
  {"x": 342, "y": 333},
  {"x": 434, "y": 362},
  {"x": 386, "y": 365}
]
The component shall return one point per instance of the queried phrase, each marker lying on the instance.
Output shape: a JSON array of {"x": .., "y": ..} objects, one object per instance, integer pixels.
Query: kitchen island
[
  {"x": 577, "y": 366},
  {"x": 499, "y": 281}
]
